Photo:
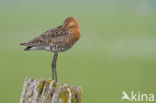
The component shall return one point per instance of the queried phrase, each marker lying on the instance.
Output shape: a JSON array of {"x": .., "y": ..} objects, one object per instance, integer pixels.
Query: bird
[{"x": 56, "y": 40}]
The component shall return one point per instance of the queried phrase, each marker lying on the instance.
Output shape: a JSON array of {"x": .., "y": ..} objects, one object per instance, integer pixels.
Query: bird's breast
[{"x": 60, "y": 48}]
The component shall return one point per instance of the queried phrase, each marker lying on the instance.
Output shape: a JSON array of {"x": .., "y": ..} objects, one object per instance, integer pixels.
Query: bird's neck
[{"x": 76, "y": 32}]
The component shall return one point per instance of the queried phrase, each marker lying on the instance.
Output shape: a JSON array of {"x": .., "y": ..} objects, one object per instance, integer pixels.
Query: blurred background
[{"x": 116, "y": 51}]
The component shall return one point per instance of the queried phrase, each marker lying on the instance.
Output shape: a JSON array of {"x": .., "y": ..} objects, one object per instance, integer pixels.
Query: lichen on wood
[{"x": 47, "y": 91}]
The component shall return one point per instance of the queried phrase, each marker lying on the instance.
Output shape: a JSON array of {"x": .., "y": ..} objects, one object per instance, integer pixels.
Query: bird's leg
[
  {"x": 52, "y": 72},
  {"x": 54, "y": 67}
]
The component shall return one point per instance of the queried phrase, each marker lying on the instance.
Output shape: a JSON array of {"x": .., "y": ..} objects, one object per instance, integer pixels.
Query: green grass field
[{"x": 116, "y": 51}]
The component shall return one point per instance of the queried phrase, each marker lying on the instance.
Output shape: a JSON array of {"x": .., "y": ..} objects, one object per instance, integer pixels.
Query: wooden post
[{"x": 47, "y": 91}]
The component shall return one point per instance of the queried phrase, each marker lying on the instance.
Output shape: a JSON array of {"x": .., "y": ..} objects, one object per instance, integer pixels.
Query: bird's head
[{"x": 71, "y": 23}]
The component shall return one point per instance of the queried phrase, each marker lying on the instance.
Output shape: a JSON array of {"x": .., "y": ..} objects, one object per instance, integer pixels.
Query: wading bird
[{"x": 56, "y": 40}]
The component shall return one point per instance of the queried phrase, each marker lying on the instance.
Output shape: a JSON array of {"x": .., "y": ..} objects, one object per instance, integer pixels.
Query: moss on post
[{"x": 47, "y": 91}]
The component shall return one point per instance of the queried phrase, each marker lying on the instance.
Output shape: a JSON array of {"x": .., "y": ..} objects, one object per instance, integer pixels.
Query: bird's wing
[
  {"x": 56, "y": 36},
  {"x": 55, "y": 32}
]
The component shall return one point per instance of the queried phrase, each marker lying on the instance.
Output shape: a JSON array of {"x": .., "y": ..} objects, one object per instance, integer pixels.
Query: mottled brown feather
[{"x": 58, "y": 39}]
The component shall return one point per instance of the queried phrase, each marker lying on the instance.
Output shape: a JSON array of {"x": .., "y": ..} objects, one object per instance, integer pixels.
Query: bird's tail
[
  {"x": 22, "y": 43},
  {"x": 29, "y": 47},
  {"x": 33, "y": 44}
]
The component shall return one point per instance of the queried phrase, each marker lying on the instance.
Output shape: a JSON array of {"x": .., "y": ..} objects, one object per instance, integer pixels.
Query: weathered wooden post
[{"x": 47, "y": 91}]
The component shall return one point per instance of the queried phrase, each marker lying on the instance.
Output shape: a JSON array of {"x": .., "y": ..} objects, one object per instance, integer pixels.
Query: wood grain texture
[{"x": 47, "y": 91}]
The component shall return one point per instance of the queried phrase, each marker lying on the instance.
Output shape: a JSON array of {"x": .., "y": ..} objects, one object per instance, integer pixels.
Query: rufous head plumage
[{"x": 71, "y": 23}]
